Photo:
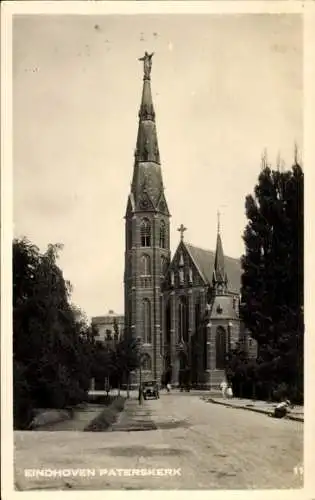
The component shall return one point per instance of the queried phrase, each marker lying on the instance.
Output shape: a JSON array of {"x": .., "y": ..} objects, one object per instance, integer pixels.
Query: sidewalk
[
  {"x": 134, "y": 417},
  {"x": 297, "y": 413}
]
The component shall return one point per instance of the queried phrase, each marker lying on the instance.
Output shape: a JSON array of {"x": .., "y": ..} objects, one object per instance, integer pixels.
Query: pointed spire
[
  {"x": 147, "y": 149},
  {"x": 147, "y": 182},
  {"x": 219, "y": 267},
  {"x": 219, "y": 274}
]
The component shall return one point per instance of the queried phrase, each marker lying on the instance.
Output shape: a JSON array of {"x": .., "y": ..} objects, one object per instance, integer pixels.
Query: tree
[
  {"x": 50, "y": 355},
  {"x": 127, "y": 359},
  {"x": 272, "y": 280}
]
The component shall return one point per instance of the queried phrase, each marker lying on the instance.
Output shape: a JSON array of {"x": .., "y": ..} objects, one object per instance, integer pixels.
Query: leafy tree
[
  {"x": 127, "y": 359},
  {"x": 272, "y": 280},
  {"x": 51, "y": 359}
]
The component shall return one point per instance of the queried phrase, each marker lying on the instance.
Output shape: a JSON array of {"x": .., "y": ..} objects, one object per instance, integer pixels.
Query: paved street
[{"x": 215, "y": 447}]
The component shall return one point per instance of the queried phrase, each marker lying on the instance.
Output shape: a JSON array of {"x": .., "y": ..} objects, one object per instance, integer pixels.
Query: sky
[{"x": 225, "y": 88}]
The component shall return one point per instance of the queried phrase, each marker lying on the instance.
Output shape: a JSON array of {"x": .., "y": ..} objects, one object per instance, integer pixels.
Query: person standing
[
  {"x": 223, "y": 387},
  {"x": 229, "y": 391}
]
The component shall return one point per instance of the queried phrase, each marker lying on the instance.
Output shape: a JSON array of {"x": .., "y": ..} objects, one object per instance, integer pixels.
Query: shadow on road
[{"x": 145, "y": 451}]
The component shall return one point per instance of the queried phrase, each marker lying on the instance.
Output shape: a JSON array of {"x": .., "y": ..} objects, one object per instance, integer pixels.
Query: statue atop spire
[{"x": 147, "y": 64}]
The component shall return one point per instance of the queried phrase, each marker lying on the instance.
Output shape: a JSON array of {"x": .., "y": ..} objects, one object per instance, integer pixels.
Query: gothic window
[
  {"x": 220, "y": 346},
  {"x": 129, "y": 236},
  {"x": 190, "y": 275},
  {"x": 146, "y": 314},
  {"x": 145, "y": 231},
  {"x": 181, "y": 276},
  {"x": 145, "y": 265},
  {"x": 162, "y": 234},
  {"x": 163, "y": 264},
  {"x": 172, "y": 278},
  {"x": 146, "y": 362},
  {"x": 197, "y": 316},
  {"x": 183, "y": 319}
]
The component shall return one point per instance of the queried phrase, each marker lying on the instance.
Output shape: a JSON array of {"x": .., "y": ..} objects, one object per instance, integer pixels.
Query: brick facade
[{"x": 186, "y": 310}]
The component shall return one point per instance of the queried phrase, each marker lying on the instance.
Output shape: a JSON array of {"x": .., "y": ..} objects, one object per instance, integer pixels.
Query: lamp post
[
  {"x": 139, "y": 341},
  {"x": 227, "y": 357},
  {"x": 230, "y": 325},
  {"x": 208, "y": 348}
]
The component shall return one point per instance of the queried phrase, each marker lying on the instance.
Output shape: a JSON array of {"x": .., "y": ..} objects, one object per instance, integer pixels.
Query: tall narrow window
[
  {"x": 146, "y": 313},
  {"x": 197, "y": 316},
  {"x": 220, "y": 348},
  {"x": 163, "y": 264},
  {"x": 145, "y": 265},
  {"x": 162, "y": 234},
  {"x": 183, "y": 319},
  {"x": 129, "y": 236},
  {"x": 145, "y": 231}
]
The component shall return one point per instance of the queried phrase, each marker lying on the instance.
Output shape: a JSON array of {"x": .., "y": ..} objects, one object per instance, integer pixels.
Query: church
[{"x": 184, "y": 310}]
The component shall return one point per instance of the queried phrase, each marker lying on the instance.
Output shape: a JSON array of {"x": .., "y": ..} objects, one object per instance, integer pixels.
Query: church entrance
[
  {"x": 184, "y": 370},
  {"x": 167, "y": 370}
]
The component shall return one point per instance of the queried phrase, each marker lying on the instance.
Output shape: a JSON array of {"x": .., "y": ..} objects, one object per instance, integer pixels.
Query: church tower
[{"x": 147, "y": 238}]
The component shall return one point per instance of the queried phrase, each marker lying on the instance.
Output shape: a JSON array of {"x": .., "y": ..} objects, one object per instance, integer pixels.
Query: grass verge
[{"x": 107, "y": 417}]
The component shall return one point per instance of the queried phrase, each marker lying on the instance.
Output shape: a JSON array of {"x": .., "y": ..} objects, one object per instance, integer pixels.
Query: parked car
[{"x": 150, "y": 389}]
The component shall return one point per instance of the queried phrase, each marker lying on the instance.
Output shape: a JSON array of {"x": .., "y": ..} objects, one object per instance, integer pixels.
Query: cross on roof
[{"x": 182, "y": 229}]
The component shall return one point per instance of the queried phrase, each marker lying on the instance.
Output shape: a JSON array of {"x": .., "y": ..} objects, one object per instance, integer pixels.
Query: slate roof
[{"x": 204, "y": 261}]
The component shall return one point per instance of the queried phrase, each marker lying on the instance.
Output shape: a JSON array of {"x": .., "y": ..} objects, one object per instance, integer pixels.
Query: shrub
[
  {"x": 22, "y": 401},
  {"x": 107, "y": 417}
]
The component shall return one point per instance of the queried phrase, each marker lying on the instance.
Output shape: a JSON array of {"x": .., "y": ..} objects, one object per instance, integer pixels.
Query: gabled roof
[{"x": 205, "y": 261}]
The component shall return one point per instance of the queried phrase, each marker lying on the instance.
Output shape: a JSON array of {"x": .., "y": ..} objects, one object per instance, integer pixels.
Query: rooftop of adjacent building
[
  {"x": 109, "y": 317},
  {"x": 205, "y": 262}
]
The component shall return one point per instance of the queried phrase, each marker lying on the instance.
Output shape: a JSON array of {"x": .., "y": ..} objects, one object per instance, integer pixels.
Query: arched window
[
  {"x": 129, "y": 235},
  {"x": 162, "y": 234},
  {"x": 197, "y": 316},
  {"x": 145, "y": 265},
  {"x": 146, "y": 362},
  {"x": 146, "y": 318},
  {"x": 145, "y": 231},
  {"x": 183, "y": 319},
  {"x": 220, "y": 346},
  {"x": 163, "y": 264}
]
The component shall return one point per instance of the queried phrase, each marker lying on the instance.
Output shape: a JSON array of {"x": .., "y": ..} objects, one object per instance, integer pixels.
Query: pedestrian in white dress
[
  {"x": 223, "y": 387},
  {"x": 229, "y": 392}
]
